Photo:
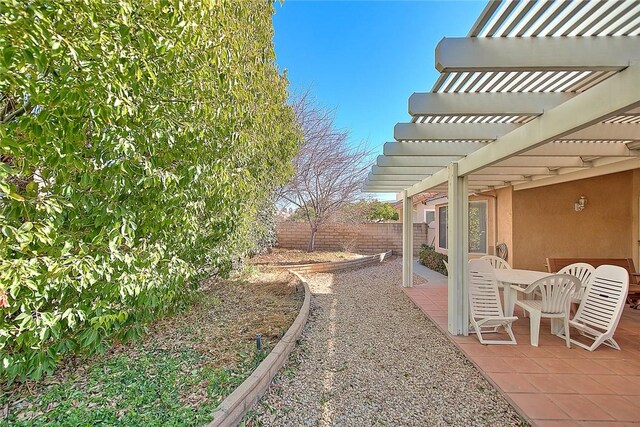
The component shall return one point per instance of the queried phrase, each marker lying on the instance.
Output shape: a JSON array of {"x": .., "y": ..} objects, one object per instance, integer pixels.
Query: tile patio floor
[{"x": 551, "y": 385}]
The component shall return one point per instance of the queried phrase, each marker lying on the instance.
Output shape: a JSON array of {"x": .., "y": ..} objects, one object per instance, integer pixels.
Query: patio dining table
[{"x": 507, "y": 277}]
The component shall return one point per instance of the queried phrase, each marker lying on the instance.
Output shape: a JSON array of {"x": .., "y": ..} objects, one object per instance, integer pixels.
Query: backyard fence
[{"x": 362, "y": 238}]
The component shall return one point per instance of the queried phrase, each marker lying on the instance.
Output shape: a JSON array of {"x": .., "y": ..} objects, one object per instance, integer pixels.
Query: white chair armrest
[
  {"x": 521, "y": 289},
  {"x": 529, "y": 289}
]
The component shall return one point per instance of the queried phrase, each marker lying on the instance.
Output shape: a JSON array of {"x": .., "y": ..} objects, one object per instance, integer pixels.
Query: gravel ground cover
[{"x": 368, "y": 356}]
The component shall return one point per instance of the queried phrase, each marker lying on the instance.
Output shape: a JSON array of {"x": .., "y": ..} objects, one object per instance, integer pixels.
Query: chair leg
[
  {"x": 478, "y": 332},
  {"x": 534, "y": 319},
  {"x": 612, "y": 343},
  {"x": 596, "y": 342},
  {"x": 507, "y": 328},
  {"x": 566, "y": 331}
]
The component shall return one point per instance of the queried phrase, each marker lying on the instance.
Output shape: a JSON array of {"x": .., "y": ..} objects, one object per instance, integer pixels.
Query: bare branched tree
[{"x": 329, "y": 172}]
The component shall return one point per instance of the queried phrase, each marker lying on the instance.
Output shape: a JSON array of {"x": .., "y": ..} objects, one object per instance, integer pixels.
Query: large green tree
[{"x": 138, "y": 140}]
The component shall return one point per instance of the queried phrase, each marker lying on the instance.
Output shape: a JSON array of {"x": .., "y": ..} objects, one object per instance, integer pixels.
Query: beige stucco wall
[
  {"x": 545, "y": 223},
  {"x": 418, "y": 213},
  {"x": 634, "y": 237},
  {"x": 504, "y": 218}
]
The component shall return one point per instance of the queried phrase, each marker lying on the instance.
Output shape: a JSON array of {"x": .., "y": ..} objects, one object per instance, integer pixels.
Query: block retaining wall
[
  {"x": 328, "y": 267},
  {"x": 361, "y": 238},
  {"x": 232, "y": 409}
]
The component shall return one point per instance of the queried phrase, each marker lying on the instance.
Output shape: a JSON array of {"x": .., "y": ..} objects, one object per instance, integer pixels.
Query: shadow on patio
[{"x": 550, "y": 385}]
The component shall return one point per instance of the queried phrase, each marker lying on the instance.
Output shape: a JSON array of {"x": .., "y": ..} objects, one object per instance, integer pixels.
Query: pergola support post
[
  {"x": 407, "y": 240},
  {"x": 458, "y": 251}
]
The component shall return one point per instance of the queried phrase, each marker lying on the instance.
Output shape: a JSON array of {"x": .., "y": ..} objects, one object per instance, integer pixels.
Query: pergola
[{"x": 539, "y": 92}]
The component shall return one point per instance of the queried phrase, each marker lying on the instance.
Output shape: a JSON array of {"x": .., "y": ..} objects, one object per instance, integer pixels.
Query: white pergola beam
[
  {"x": 554, "y": 148},
  {"x": 617, "y": 94},
  {"x": 434, "y": 180},
  {"x": 441, "y": 161},
  {"x": 417, "y": 170},
  {"x": 451, "y": 131},
  {"x": 509, "y": 170},
  {"x": 497, "y": 177},
  {"x": 431, "y": 148},
  {"x": 608, "y": 131},
  {"x": 519, "y": 161},
  {"x": 386, "y": 185},
  {"x": 389, "y": 177},
  {"x": 399, "y": 183},
  {"x": 566, "y": 175},
  {"x": 478, "y": 54},
  {"x": 379, "y": 190},
  {"x": 542, "y": 161},
  {"x": 374, "y": 179},
  {"x": 493, "y": 170},
  {"x": 492, "y": 183},
  {"x": 484, "y": 104},
  {"x": 583, "y": 149},
  {"x": 471, "y": 133}
]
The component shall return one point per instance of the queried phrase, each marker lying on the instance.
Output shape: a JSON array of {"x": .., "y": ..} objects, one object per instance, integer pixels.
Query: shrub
[
  {"x": 432, "y": 259},
  {"x": 138, "y": 141},
  {"x": 263, "y": 233}
]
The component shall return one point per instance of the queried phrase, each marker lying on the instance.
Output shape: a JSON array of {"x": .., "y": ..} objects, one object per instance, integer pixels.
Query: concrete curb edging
[
  {"x": 238, "y": 403},
  {"x": 329, "y": 267},
  {"x": 458, "y": 347}
]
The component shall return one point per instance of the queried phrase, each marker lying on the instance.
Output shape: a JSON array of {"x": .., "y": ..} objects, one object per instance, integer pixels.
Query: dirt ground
[
  {"x": 280, "y": 256},
  {"x": 182, "y": 368}
]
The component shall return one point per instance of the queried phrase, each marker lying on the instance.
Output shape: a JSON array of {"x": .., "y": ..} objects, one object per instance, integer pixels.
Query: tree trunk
[{"x": 312, "y": 240}]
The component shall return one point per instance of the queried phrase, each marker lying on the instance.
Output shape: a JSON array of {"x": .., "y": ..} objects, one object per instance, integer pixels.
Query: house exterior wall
[
  {"x": 361, "y": 238},
  {"x": 504, "y": 219},
  {"x": 545, "y": 223},
  {"x": 635, "y": 226},
  {"x": 418, "y": 212},
  {"x": 490, "y": 199},
  {"x": 419, "y": 218}
]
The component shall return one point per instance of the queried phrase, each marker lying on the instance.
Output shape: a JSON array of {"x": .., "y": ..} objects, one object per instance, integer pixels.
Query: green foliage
[
  {"x": 364, "y": 211},
  {"x": 382, "y": 211},
  {"x": 354, "y": 212},
  {"x": 263, "y": 232},
  {"x": 360, "y": 211},
  {"x": 152, "y": 388},
  {"x": 432, "y": 259},
  {"x": 300, "y": 215},
  {"x": 138, "y": 140}
]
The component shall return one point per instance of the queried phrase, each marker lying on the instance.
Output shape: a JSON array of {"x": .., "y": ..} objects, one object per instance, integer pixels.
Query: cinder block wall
[{"x": 361, "y": 238}]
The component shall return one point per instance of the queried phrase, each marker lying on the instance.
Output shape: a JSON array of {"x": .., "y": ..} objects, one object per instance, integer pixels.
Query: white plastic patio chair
[
  {"x": 485, "y": 309},
  {"x": 496, "y": 262},
  {"x": 582, "y": 271},
  {"x": 601, "y": 307},
  {"x": 556, "y": 292}
]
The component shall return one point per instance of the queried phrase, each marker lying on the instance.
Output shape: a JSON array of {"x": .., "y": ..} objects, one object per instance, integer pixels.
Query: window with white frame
[
  {"x": 442, "y": 227},
  {"x": 429, "y": 216},
  {"x": 478, "y": 225}
]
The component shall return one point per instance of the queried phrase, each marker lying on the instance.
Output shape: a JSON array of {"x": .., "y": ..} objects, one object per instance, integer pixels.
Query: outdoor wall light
[{"x": 580, "y": 204}]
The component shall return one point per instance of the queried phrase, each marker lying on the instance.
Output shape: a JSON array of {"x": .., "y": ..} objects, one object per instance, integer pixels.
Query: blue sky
[{"x": 365, "y": 58}]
